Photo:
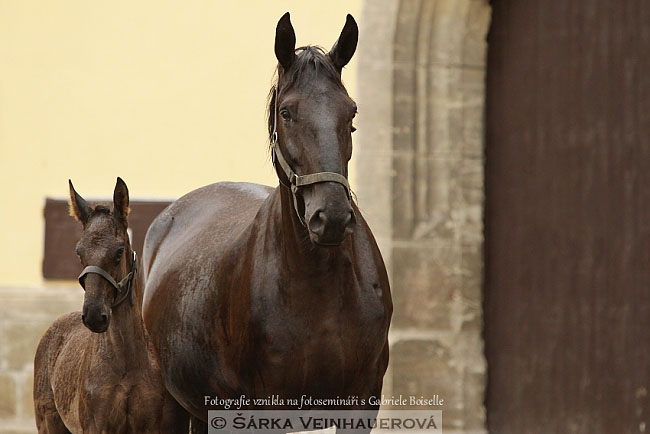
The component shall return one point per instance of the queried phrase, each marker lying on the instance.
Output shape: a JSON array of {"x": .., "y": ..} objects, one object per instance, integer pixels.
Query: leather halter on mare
[
  {"x": 126, "y": 282},
  {"x": 296, "y": 181}
]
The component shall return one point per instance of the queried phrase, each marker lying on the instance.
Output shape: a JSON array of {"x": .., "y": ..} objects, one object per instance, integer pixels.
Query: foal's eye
[
  {"x": 352, "y": 129},
  {"x": 285, "y": 114}
]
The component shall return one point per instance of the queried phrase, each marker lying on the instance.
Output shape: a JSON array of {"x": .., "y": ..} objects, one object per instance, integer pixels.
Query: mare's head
[
  {"x": 312, "y": 114},
  {"x": 104, "y": 245}
]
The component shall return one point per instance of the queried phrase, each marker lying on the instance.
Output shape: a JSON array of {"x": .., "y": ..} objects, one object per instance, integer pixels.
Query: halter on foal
[{"x": 93, "y": 371}]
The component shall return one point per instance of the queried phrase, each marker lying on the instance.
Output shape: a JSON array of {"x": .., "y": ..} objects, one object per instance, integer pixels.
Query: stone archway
[{"x": 419, "y": 179}]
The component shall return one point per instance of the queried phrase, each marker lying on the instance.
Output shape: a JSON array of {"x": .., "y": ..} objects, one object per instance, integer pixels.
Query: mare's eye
[
  {"x": 118, "y": 255},
  {"x": 285, "y": 114}
]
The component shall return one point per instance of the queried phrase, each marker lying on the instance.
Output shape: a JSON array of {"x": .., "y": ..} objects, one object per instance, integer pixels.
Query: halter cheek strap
[
  {"x": 297, "y": 181},
  {"x": 126, "y": 282}
]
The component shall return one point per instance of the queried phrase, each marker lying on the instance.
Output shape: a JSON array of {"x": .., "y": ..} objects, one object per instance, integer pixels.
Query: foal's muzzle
[
  {"x": 95, "y": 317},
  {"x": 95, "y": 314}
]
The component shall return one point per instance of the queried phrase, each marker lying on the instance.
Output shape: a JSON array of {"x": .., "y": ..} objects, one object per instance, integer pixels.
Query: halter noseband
[
  {"x": 126, "y": 282},
  {"x": 296, "y": 181}
]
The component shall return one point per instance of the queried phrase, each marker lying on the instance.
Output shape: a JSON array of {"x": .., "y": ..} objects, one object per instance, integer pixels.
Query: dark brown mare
[
  {"x": 257, "y": 291},
  {"x": 94, "y": 371}
]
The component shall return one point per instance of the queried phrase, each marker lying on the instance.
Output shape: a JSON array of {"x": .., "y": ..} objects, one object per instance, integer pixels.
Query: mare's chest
[{"x": 318, "y": 334}]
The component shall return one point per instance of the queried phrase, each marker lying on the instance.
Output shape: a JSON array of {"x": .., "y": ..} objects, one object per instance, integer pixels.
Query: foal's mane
[{"x": 310, "y": 55}]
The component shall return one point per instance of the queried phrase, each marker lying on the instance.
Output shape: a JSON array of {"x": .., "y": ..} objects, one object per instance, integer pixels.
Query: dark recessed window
[{"x": 62, "y": 233}]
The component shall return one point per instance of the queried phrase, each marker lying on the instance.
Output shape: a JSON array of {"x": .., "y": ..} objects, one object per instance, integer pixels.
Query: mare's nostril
[
  {"x": 350, "y": 222},
  {"x": 104, "y": 317},
  {"x": 317, "y": 223}
]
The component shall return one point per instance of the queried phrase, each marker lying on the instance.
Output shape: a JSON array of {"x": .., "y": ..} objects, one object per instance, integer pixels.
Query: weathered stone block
[
  {"x": 471, "y": 296},
  {"x": 375, "y": 198},
  {"x": 423, "y": 368},
  {"x": 472, "y": 132},
  {"x": 446, "y": 40},
  {"x": 404, "y": 105},
  {"x": 11, "y": 429},
  {"x": 471, "y": 266},
  {"x": 471, "y": 182},
  {"x": 19, "y": 342},
  {"x": 473, "y": 396},
  {"x": 403, "y": 201},
  {"x": 7, "y": 396},
  {"x": 29, "y": 304},
  {"x": 454, "y": 118},
  {"x": 424, "y": 283},
  {"x": 477, "y": 24},
  {"x": 28, "y": 398},
  {"x": 406, "y": 32}
]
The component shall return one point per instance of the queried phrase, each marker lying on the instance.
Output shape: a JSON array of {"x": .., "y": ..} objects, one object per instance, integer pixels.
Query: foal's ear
[
  {"x": 121, "y": 200},
  {"x": 285, "y": 42},
  {"x": 344, "y": 48},
  {"x": 79, "y": 208}
]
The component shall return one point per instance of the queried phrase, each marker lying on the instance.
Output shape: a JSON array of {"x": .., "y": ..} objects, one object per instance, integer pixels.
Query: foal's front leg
[{"x": 50, "y": 422}]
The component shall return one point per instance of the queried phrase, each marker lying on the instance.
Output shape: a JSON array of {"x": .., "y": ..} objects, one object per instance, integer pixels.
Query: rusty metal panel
[
  {"x": 567, "y": 285},
  {"x": 62, "y": 233}
]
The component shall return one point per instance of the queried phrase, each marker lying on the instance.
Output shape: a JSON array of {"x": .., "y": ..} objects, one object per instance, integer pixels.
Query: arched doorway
[{"x": 419, "y": 172}]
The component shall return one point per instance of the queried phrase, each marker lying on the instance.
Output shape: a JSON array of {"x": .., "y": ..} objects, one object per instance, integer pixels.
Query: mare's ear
[
  {"x": 121, "y": 201},
  {"x": 285, "y": 42},
  {"x": 79, "y": 208},
  {"x": 346, "y": 45}
]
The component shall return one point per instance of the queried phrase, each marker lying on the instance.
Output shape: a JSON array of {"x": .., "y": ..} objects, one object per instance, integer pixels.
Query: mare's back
[{"x": 194, "y": 230}]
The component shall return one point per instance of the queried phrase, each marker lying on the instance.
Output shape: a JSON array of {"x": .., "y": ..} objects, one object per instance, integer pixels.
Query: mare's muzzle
[{"x": 296, "y": 181}]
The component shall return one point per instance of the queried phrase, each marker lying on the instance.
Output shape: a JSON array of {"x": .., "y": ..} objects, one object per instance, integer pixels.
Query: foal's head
[
  {"x": 312, "y": 114},
  {"x": 104, "y": 245}
]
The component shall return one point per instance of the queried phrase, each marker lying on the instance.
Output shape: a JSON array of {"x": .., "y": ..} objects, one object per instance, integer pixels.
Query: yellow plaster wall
[{"x": 168, "y": 95}]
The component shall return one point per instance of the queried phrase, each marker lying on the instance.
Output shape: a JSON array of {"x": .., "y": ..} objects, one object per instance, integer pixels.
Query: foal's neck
[{"x": 126, "y": 335}]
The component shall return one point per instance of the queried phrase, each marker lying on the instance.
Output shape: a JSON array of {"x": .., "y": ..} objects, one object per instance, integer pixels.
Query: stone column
[{"x": 419, "y": 181}]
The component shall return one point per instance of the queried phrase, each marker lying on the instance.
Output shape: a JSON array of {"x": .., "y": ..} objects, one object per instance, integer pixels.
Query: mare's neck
[{"x": 299, "y": 253}]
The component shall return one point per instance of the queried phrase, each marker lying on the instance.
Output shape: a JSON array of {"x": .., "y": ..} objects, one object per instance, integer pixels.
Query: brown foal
[{"x": 94, "y": 371}]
